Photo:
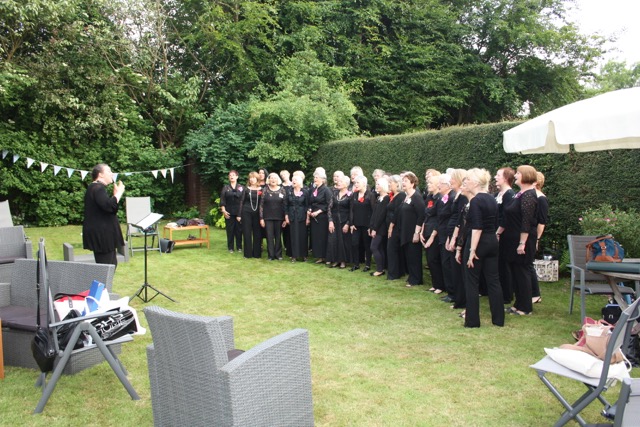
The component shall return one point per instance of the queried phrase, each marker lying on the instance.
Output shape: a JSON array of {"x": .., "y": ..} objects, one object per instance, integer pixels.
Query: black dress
[
  {"x": 411, "y": 214},
  {"x": 296, "y": 210},
  {"x": 101, "y": 231},
  {"x": 339, "y": 242},
  {"x": 520, "y": 217},
  {"x": 230, "y": 198},
  {"x": 319, "y": 199},
  {"x": 250, "y": 220},
  {"x": 483, "y": 210}
]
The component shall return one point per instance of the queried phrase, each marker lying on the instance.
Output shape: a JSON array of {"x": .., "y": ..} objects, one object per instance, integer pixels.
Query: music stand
[{"x": 145, "y": 225}]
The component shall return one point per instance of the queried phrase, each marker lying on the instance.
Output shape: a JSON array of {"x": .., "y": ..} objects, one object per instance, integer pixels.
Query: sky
[{"x": 612, "y": 17}]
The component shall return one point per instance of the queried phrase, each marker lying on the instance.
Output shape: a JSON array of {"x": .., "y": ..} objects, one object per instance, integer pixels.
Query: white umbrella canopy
[{"x": 605, "y": 122}]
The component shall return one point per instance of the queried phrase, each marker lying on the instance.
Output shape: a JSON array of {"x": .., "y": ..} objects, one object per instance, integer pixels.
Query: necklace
[{"x": 251, "y": 200}]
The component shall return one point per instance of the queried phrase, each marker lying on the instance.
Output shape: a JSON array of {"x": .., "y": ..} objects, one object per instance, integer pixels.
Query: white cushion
[{"x": 586, "y": 364}]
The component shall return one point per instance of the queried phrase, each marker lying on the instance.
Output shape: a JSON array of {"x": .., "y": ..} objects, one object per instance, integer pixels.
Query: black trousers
[
  {"x": 252, "y": 234},
  {"x": 413, "y": 258},
  {"x": 319, "y": 235},
  {"x": 274, "y": 238},
  {"x": 360, "y": 240},
  {"x": 435, "y": 266},
  {"x": 521, "y": 280},
  {"x": 106, "y": 258},
  {"x": 378, "y": 250},
  {"x": 457, "y": 277},
  {"x": 395, "y": 258},
  {"x": 445, "y": 260},
  {"x": 486, "y": 267},
  {"x": 535, "y": 285},
  {"x": 234, "y": 232},
  {"x": 505, "y": 275}
]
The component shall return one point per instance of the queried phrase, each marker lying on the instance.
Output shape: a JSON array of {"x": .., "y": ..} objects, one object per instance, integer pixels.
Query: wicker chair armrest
[
  {"x": 226, "y": 325},
  {"x": 5, "y": 294},
  {"x": 281, "y": 367}
]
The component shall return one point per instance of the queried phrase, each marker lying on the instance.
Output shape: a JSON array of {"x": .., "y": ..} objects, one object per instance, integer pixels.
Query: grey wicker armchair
[
  {"x": 13, "y": 245},
  {"x": 196, "y": 380}
]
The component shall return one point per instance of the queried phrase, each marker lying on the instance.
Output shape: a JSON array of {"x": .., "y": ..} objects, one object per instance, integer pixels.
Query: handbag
[
  {"x": 594, "y": 341},
  {"x": 42, "y": 346},
  {"x": 605, "y": 249}
]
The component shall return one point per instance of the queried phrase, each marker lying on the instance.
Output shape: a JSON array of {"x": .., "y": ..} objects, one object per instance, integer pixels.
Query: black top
[
  {"x": 457, "y": 208},
  {"x": 378, "y": 217},
  {"x": 430, "y": 214},
  {"x": 483, "y": 211},
  {"x": 230, "y": 198},
  {"x": 340, "y": 209},
  {"x": 542, "y": 214},
  {"x": 272, "y": 204},
  {"x": 503, "y": 201},
  {"x": 250, "y": 201},
  {"x": 443, "y": 212},
  {"x": 520, "y": 217},
  {"x": 296, "y": 206},
  {"x": 392, "y": 208},
  {"x": 361, "y": 209},
  {"x": 411, "y": 213},
  {"x": 101, "y": 231},
  {"x": 319, "y": 199}
]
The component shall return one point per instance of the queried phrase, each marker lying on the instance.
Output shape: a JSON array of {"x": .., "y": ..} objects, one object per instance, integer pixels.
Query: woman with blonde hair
[
  {"x": 249, "y": 217},
  {"x": 272, "y": 207},
  {"x": 430, "y": 224},
  {"x": 519, "y": 238},
  {"x": 378, "y": 226},
  {"x": 504, "y": 180},
  {"x": 339, "y": 240},
  {"x": 543, "y": 217},
  {"x": 480, "y": 250},
  {"x": 457, "y": 210},
  {"x": 395, "y": 260}
]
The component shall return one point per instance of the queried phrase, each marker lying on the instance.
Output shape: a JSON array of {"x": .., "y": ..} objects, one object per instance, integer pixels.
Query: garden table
[{"x": 629, "y": 269}]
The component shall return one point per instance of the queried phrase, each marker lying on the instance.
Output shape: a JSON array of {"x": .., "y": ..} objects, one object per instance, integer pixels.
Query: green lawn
[{"x": 382, "y": 354}]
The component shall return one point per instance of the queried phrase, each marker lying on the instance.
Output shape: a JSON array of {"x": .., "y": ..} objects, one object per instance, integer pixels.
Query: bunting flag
[{"x": 83, "y": 173}]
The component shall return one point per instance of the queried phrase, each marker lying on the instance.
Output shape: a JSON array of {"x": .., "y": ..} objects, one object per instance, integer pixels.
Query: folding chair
[
  {"x": 582, "y": 279},
  {"x": 626, "y": 411},
  {"x": 81, "y": 325},
  {"x": 595, "y": 386},
  {"x": 138, "y": 208},
  {"x": 5, "y": 215}
]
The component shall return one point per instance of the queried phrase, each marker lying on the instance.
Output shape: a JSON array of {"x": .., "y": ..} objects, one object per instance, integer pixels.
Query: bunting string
[{"x": 83, "y": 173}]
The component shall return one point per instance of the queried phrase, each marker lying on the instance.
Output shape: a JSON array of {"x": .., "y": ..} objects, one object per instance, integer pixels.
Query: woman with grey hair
[
  {"x": 272, "y": 207},
  {"x": 361, "y": 210},
  {"x": 339, "y": 240},
  {"x": 296, "y": 217},
  {"x": 319, "y": 199},
  {"x": 395, "y": 259}
]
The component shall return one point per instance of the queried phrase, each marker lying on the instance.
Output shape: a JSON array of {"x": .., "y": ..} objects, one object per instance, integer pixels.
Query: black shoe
[
  {"x": 366, "y": 268},
  {"x": 354, "y": 268},
  {"x": 447, "y": 299}
]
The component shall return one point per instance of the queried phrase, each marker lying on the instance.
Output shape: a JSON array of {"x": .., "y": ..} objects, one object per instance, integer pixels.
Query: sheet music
[{"x": 148, "y": 220}]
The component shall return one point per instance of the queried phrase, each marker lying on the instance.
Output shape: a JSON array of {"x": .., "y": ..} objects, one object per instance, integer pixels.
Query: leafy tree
[
  {"x": 311, "y": 107},
  {"x": 616, "y": 75}
]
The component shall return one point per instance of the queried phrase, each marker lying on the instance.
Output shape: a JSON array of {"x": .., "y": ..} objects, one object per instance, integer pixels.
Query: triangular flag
[
  {"x": 83, "y": 174},
  {"x": 128, "y": 173},
  {"x": 29, "y": 162},
  {"x": 70, "y": 172},
  {"x": 155, "y": 174},
  {"x": 163, "y": 172},
  {"x": 16, "y": 157},
  {"x": 115, "y": 177},
  {"x": 4, "y": 153},
  {"x": 56, "y": 169},
  {"x": 171, "y": 170},
  {"x": 43, "y": 166}
]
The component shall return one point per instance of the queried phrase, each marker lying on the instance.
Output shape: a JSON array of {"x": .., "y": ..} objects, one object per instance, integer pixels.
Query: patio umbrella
[{"x": 604, "y": 122}]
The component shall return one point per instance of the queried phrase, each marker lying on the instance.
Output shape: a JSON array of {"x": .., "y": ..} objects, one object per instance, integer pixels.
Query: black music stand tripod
[{"x": 146, "y": 226}]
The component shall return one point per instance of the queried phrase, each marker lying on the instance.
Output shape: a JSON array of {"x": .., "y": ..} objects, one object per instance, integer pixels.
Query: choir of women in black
[
  {"x": 362, "y": 202},
  {"x": 250, "y": 217},
  {"x": 319, "y": 199},
  {"x": 480, "y": 250},
  {"x": 272, "y": 207},
  {"x": 519, "y": 238},
  {"x": 339, "y": 239},
  {"x": 230, "y": 198}
]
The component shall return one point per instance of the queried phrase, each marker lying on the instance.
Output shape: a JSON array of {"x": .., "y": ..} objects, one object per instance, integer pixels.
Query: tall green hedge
[{"x": 574, "y": 181}]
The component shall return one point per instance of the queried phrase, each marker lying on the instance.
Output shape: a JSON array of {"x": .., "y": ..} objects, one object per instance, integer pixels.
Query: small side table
[
  {"x": 1, "y": 354},
  {"x": 193, "y": 241}
]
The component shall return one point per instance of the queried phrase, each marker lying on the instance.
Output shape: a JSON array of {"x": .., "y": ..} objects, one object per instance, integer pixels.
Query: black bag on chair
[{"x": 42, "y": 346}]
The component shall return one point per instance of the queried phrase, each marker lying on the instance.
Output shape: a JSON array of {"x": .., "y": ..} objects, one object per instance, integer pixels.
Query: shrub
[
  {"x": 624, "y": 225},
  {"x": 215, "y": 217}
]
